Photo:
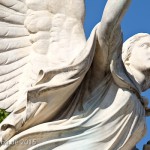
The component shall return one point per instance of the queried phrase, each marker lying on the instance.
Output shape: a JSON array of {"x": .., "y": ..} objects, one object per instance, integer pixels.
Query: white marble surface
[{"x": 64, "y": 92}]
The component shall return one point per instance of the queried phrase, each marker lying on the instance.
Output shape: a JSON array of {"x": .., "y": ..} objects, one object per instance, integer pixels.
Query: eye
[{"x": 145, "y": 45}]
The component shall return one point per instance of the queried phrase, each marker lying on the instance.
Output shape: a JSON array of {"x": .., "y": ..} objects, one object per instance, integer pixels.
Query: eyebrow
[{"x": 147, "y": 43}]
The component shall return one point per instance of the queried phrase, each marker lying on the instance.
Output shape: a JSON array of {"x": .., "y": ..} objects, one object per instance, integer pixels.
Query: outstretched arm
[{"x": 112, "y": 15}]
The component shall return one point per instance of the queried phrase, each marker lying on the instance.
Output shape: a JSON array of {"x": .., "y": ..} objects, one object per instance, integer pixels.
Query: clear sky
[{"x": 136, "y": 20}]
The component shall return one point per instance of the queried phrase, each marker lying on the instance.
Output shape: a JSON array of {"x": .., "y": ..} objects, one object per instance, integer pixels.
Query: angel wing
[
  {"x": 16, "y": 54},
  {"x": 23, "y": 47},
  {"x": 14, "y": 50}
]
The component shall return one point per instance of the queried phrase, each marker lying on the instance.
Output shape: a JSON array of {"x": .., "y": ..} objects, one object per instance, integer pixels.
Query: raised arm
[{"x": 112, "y": 15}]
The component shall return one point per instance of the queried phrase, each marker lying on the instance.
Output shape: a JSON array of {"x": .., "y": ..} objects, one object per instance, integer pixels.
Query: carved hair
[
  {"x": 126, "y": 53},
  {"x": 129, "y": 43}
]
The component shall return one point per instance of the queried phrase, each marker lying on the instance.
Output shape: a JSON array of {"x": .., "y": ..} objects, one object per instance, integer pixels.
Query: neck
[{"x": 138, "y": 76}]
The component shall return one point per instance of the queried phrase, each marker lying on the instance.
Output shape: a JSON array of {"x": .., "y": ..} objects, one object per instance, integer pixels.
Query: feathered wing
[
  {"x": 36, "y": 36},
  {"x": 43, "y": 39},
  {"x": 14, "y": 51}
]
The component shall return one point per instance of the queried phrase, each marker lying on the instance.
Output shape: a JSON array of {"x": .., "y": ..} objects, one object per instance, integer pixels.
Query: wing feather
[
  {"x": 12, "y": 56},
  {"x": 10, "y": 76},
  {"x": 13, "y": 43},
  {"x": 30, "y": 40},
  {"x": 16, "y": 5},
  {"x": 9, "y": 102},
  {"x": 15, "y": 48},
  {"x": 6, "y": 69},
  {"x": 11, "y": 30},
  {"x": 9, "y": 15}
]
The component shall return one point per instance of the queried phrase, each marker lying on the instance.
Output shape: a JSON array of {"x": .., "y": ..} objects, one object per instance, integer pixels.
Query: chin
[
  {"x": 144, "y": 89},
  {"x": 146, "y": 84}
]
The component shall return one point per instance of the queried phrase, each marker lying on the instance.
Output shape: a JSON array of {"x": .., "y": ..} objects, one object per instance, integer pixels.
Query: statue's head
[{"x": 136, "y": 54}]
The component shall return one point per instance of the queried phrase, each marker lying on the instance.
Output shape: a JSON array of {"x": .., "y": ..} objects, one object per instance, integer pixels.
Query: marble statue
[{"x": 66, "y": 93}]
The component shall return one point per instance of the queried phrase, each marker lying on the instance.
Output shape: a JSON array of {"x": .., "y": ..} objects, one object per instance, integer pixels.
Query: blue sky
[{"x": 136, "y": 20}]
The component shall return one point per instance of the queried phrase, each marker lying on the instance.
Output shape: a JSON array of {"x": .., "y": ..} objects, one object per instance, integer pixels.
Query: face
[{"x": 140, "y": 55}]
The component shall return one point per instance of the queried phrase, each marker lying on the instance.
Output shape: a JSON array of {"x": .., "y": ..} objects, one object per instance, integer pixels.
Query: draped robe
[{"x": 82, "y": 106}]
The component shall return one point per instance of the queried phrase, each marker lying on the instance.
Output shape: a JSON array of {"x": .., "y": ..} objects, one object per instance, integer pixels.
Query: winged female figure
[{"x": 62, "y": 91}]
